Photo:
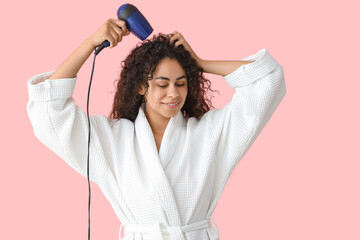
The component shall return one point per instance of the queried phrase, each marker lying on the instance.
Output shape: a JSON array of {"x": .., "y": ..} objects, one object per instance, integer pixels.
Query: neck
[{"x": 157, "y": 122}]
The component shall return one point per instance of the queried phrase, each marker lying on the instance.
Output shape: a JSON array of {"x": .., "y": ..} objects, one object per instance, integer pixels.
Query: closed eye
[{"x": 179, "y": 85}]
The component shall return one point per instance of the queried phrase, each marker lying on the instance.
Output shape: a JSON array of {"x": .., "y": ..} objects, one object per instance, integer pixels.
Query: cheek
[
  {"x": 184, "y": 92},
  {"x": 153, "y": 91},
  {"x": 158, "y": 93}
]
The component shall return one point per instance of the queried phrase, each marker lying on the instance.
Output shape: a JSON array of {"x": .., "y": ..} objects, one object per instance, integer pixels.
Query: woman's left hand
[{"x": 180, "y": 40}]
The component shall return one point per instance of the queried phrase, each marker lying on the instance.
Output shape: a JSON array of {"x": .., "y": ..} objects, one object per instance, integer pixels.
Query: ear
[{"x": 142, "y": 90}]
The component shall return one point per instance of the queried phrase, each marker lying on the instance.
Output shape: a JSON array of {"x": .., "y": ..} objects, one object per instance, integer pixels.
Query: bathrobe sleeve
[
  {"x": 259, "y": 88},
  {"x": 62, "y": 126}
]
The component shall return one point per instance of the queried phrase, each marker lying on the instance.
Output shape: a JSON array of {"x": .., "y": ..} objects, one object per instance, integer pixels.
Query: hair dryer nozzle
[{"x": 135, "y": 21}]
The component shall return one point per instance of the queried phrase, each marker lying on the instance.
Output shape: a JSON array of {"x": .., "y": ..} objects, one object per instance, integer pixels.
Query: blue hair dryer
[{"x": 135, "y": 23}]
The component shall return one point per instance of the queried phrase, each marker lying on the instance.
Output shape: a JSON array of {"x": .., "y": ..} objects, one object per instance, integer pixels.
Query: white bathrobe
[{"x": 170, "y": 194}]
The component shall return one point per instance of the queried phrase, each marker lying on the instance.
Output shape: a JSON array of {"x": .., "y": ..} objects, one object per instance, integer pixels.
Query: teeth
[{"x": 171, "y": 104}]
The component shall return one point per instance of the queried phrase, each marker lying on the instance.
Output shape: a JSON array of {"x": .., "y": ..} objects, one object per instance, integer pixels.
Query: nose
[{"x": 172, "y": 91}]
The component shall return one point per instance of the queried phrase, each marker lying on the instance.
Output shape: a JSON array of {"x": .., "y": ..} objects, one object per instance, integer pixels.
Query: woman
[{"x": 162, "y": 158}]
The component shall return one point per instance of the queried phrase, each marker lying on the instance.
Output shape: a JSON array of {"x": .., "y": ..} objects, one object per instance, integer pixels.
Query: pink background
[{"x": 299, "y": 180}]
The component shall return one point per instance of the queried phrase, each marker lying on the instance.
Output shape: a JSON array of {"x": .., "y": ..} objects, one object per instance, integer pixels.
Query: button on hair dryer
[{"x": 135, "y": 23}]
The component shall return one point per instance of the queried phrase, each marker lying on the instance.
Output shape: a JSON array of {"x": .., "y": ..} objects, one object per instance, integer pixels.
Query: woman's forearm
[
  {"x": 71, "y": 66},
  {"x": 220, "y": 67}
]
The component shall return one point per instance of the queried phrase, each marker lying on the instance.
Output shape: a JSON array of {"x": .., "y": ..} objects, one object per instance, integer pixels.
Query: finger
[
  {"x": 110, "y": 38},
  {"x": 123, "y": 27},
  {"x": 107, "y": 32},
  {"x": 117, "y": 29},
  {"x": 124, "y": 32},
  {"x": 176, "y": 37},
  {"x": 179, "y": 42},
  {"x": 170, "y": 35},
  {"x": 121, "y": 24},
  {"x": 116, "y": 37}
]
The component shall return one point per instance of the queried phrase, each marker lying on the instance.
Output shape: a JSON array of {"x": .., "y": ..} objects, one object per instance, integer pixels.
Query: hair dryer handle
[{"x": 98, "y": 49}]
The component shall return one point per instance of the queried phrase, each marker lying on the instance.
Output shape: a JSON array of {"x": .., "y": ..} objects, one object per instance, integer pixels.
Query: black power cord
[{"x": 97, "y": 50}]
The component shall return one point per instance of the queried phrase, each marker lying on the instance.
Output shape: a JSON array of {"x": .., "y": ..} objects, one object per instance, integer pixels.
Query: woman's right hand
[{"x": 112, "y": 30}]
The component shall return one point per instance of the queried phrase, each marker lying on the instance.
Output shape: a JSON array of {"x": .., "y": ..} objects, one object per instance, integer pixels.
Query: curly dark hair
[{"x": 141, "y": 62}]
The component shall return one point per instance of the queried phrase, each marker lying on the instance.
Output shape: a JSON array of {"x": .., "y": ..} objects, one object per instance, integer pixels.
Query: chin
[{"x": 170, "y": 115}]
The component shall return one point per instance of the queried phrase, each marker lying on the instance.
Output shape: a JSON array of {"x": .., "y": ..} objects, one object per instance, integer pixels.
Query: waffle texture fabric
[{"x": 168, "y": 194}]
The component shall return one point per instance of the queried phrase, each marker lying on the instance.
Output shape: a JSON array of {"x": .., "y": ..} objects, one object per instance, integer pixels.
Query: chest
[{"x": 158, "y": 139}]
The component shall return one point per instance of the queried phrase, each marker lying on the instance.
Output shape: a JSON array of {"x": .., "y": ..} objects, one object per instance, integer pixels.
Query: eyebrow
[{"x": 165, "y": 78}]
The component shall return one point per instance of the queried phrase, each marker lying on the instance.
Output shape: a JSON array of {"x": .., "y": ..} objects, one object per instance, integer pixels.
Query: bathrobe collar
[{"x": 156, "y": 162}]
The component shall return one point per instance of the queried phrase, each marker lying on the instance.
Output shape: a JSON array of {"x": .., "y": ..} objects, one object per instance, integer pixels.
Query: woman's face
[{"x": 167, "y": 90}]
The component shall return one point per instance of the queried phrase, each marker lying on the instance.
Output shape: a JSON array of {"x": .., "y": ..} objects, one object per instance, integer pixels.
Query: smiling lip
[
  {"x": 172, "y": 106},
  {"x": 172, "y": 103}
]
